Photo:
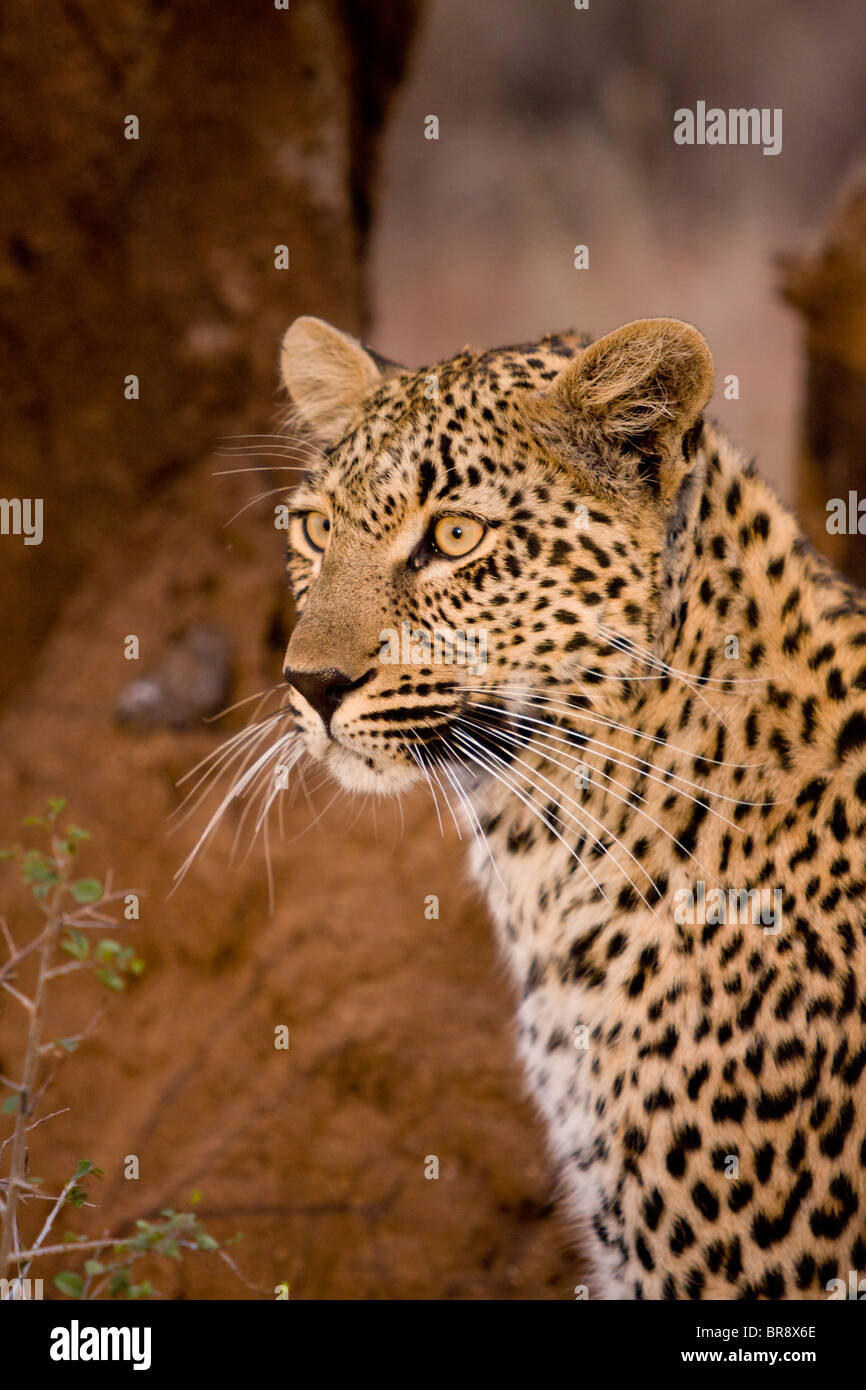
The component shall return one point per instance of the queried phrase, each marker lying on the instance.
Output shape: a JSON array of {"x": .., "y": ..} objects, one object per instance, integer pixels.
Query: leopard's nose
[{"x": 323, "y": 689}]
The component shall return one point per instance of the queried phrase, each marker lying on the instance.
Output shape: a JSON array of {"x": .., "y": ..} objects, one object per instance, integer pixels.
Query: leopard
[{"x": 659, "y": 766}]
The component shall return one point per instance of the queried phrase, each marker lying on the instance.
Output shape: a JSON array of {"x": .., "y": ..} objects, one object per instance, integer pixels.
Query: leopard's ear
[
  {"x": 640, "y": 387},
  {"x": 328, "y": 374}
]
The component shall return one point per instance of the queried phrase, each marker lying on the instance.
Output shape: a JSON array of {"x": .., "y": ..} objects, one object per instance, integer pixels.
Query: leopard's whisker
[
  {"x": 311, "y": 825},
  {"x": 269, "y": 868},
  {"x": 514, "y": 692},
  {"x": 658, "y": 664},
  {"x": 463, "y": 794},
  {"x": 360, "y": 811},
  {"x": 263, "y": 781},
  {"x": 563, "y": 795},
  {"x": 652, "y": 658},
  {"x": 291, "y": 740},
  {"x": 507, "y": 765},
  {"x": 238, "y": 704},
  {"x": 217, "y": 754},
  {"x": 534, "y": 808},
  {"x": 230, "y": 756},
  {"x": 530, "y": 741},
  {"x": 663, "y": 674},
  {"x": 218, "y": 762},
  {"x": 287, "y": 440},
  {"x": 259, "y": 468},
  {"x": 260, "y": 497},
  {"x": 440, "y": 763},
  {"x": 416, "y": 757},
  {"x": 626, "y": 801},
  {"x": 290, "y": 460},
  {"x": 643, "y": 768}
]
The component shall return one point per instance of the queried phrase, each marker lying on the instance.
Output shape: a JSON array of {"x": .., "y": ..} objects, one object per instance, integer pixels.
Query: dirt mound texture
[{"x": 155, "y": 258}]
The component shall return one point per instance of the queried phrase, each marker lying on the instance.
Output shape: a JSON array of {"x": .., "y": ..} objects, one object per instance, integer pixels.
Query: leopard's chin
[{"x": 359, "y": 772}]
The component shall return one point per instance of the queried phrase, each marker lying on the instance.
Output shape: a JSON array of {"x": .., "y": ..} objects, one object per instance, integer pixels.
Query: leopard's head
[{"x": 476, "y": 534}]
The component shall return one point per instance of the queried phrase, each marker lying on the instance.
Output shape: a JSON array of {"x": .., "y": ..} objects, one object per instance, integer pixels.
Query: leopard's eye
[
  {"x": 457, "y": 535},
  {"x": 314, "y": 528}
]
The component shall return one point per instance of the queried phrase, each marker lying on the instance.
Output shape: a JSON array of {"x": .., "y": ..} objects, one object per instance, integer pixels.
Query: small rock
[{"x": 193, "y": 681}]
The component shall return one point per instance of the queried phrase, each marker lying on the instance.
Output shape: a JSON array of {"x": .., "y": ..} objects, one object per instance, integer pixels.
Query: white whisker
[
  {"x": 626, "y": 801},
  {"x": 532, "y": 805},
  {"x": 464, "y": 797}
]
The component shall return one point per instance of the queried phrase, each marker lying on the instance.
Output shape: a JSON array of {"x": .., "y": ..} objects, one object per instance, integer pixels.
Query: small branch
[
  {"x": 66, "y": 969},
  {"x": 65, "y": 1249},
  {"x": 227, "y": 1259},
  {"x": 7, "y": 936},
  {"x": 18, "y": 1161},
  {"x": 17, "y": 955},
  {"x": 35, "y": 1125},
  {"x": 52, "y": 1047},
  {"x": 16, "y": 994},
  {"x": 42, "y": 1089}
]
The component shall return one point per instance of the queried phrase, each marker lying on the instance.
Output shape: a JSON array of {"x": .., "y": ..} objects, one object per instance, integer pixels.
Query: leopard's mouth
[{"x": 386, "y": 749}]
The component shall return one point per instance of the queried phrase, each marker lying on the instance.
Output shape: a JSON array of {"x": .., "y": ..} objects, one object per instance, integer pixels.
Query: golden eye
[
  {"x": 457, "y": 535},
  {"x": 316, "y": 530}
]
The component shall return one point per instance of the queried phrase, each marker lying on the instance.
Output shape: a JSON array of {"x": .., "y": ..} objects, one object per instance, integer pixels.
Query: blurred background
[
  {"x": 304, "y": 128},
  {"x": 556, "y": 129}
]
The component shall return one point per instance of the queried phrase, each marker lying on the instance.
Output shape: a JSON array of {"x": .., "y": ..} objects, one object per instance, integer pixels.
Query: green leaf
[
  {"x": 11, "y": 1104},
  {"x": 206, "y": 1242},
  {"x": 76, "y": 1197},
  {"x": 36, "y": 820},
  {"x": 86, "y": 890},
  {"x": 69, "y": 1044},
  {"x": 195, "y": 1196},
  {"x": 137, "y": 966},
  {"x": 84, "y": 1166},
  {"x": 93, "y": 1267},
  {"x": 76, "y": 944},
  {"x": 36, "y": 868},
  {"x": 110, "y": 978},
  {"x": 136, "y": 1291},
  {"x": 74, "y": 832},
  {"x": 55, "y": 806},
  {"x": 69, "y": 1283},
  {"x": 119, "y": 1283},
  {"x": 107, "y": 949}
]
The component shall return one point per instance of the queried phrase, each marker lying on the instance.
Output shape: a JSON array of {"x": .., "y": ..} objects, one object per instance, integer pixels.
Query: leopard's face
[{"x": 469, "y": 535}]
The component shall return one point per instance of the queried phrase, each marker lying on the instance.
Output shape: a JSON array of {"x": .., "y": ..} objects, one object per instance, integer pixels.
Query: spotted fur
[{"x": 626, "y": 544}]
